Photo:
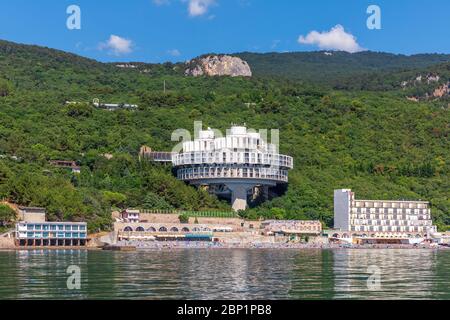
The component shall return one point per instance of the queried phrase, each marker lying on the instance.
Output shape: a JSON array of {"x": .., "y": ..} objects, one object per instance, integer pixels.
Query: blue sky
[{"x": 177, "y": 30}]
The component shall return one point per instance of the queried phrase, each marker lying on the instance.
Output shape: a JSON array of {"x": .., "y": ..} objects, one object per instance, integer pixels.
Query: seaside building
[
  {"x": 292, "y": 228},
  {"x": 371, "y": 221},
  {"x": 168, "y": 231},
  {"x": 33, "y": 230},
  {"x": 51, "y": 234},
  {"x": 237, "y": 166},
  {"x": 130, "y": 215}
]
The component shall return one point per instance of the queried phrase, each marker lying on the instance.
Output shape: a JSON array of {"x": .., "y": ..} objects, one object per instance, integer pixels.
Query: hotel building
[
  {"x": 51, "y": 233},
  {"x": 239, "y": 165},
  {"x": 381, "y": 218}
]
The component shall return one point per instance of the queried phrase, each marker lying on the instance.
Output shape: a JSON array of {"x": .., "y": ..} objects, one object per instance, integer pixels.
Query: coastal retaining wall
[
  {"x": 173, "y": 218},
  {"x": 7, "y": 242}
]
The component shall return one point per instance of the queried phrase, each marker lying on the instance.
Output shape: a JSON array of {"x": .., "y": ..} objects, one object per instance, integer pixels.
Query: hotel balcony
[
  {"x": 240, "y": 158},
  {"x": 207, "y": 172}
]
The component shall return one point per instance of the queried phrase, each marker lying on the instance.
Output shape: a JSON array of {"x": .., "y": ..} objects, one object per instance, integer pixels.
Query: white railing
[
  {"x": 216, "y": 157},
  {"x": 206, "y": 172}
]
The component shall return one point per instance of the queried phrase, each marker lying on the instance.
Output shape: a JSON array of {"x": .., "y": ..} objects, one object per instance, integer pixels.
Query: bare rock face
[
  {"x": 442, "y": 91},
  {"x": 218, "y": 65}
]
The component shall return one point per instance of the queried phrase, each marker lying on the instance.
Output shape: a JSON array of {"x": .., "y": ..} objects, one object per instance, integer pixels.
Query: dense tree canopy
[{"x": 377, "y": 143}]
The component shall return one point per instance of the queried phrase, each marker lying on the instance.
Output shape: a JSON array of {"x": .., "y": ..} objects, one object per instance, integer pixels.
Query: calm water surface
[{"x": 226, "y": 274}]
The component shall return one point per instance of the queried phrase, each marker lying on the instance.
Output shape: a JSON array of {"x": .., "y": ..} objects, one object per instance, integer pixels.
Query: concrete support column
[
  {"x": 239, "y": 195},
  {"x": 265, "y": 192}
]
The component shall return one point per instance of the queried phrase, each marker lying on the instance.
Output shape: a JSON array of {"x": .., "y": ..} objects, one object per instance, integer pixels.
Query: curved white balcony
[
  {"x": 225, "y": 172},
  {"x": 217, "y": 157}
]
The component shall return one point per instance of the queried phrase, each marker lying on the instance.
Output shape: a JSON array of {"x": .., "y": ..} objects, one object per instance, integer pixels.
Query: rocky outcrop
[
  {"x": 218, "y": 65},
  {"x": 430, "y": 86},
  {"x": 422, "y": 79},
  {"x": 442, "y": 91}
]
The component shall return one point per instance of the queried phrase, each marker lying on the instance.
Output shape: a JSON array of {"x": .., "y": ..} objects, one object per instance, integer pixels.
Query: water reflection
[
  {"x": 226, "y": 274},
  {"x": 404, "y": 274}
]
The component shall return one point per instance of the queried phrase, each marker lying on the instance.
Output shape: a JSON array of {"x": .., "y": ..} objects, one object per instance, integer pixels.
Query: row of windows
[
  {"x": 54, "y": 227},
  {"x": 391, "y": 222},
  {"x": 211, "y": 173},
  {"x": 381, "y": 204},
  {"x": 234, "y": 157},
  {"x": 390, "y": 210},
  {"x": 389, "y": 229},
  {"x": 67, "y": 235},
  {"x": 222, "y": 143},
  {"x": 406, "y": 217}
]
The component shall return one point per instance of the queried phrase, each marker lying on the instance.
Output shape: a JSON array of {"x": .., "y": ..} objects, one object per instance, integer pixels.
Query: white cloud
[
  {"x": 335, "y": 39},
  {"x": 117, "y": 45},
  {"x": 196, "y": 8},
  {"x": 174, "y": 52},
  {"x": 199, "y": 7}
]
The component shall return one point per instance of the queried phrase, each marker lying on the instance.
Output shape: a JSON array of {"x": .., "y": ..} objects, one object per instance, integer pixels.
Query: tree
[
  {"x": 7, "y": 215},
  {"x": 184, "y": 218},
  {"x": 5, "y": 88},
  {"x": 278, "y": 213},
  {"x": 154, "y": 202},
  {"x": 114, "y": 198}
]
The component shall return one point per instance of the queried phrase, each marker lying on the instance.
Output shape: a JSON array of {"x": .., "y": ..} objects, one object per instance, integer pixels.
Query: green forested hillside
[
  {"x": 375, "y": 142},
  {"x": 331, "y": 68}
]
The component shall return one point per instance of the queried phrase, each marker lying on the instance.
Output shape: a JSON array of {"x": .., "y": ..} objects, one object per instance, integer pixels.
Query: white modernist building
[
  {"x": 51, "y": 233},
  {"x": 237, "y": 164},
  {"x": 381, "y": 218}
]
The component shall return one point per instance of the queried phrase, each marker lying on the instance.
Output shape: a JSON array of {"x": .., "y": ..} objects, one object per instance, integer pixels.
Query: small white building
[{"x": 130, "y": 215}]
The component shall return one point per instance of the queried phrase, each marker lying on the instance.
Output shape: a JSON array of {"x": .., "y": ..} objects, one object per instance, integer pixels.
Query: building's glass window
[
  {"x": 45, "y": 234},
  {"x": 82, "y": 235},
  {"x": 75, "y": 227},
  {"x": 30, "y": 226},
  {"x": 30, "y": 234},
  {"x": 67, "y": 227},
  {"x": 53, "y": 227},
  {"x": 60, "y": 227},
  {"x": 38, "y": 227}
]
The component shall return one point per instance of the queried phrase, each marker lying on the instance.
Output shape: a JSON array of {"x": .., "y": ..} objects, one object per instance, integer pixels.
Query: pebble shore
[{"x": 170, "y": 245}]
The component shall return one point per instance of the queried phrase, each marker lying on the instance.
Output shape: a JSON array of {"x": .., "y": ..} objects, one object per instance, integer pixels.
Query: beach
[{"x": 173, "y": 245}]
